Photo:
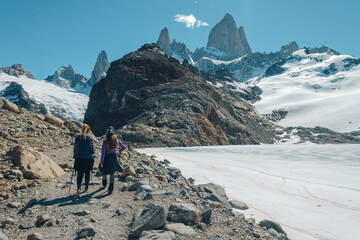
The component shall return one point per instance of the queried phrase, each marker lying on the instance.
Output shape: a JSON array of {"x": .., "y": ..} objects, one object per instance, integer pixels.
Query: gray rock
[
  {"x": 137, "y": 184},
  {"x": 149, "y": 218},
  {"x": 14, "y": 204},
  {"x": 270, "y": 224},
  {"x": 256, "y": 235},
  {"x": 42, "y": 219},
  {"x": 240, "y": 215},
  {"x": 238, "y": 205},
  {"x": 147, "y": 168},
  {"x": 82, "y": 213},
  {"x": 274, "y": 233},
  {"x": 120, "y": 211},
  {"x": 3, "y": 236},
  {"x": 183, "y": 193},
  {"x": 174, "y": 172},
  {"x": 206, "y": 214},
  {"x": 143, "y": 188},
  {"x": 26, "y": 225},
  {"x": 148, "y": 196},
  {"x": 180, "y": 228},
  {"x": 35, "y": 236},
  {"x": 17, "y": 173},
  {"x": 86, "y": 230},
  {"x": 157, "y": 235},
  {"x": 8, "y": 220},
  {"x": 217, "y": 194},
  {"x": 184, "y": 213}
]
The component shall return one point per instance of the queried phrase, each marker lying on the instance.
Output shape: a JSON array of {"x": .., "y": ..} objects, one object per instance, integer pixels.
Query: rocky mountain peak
[
  {"x": 287, "y": 50},
  {"x": 101, "y": 66},
  {"x": 226, "y": 37},
  {"x": 66, "y": 77},
  {"x": 146, "y": 96},
  {"x": 17, "y": 71},
  {"x": 244, "y": 41},
  {"x": 164, "y": 40}
]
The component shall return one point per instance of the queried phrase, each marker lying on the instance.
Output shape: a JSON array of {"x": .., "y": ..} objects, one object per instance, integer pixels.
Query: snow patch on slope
[
  {"x": 71, "y": 102},
  {"x": 319, "y": 89}
]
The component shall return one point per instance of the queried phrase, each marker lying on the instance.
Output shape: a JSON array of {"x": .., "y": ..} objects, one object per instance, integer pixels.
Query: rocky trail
[{"x": 151, "y": 199}]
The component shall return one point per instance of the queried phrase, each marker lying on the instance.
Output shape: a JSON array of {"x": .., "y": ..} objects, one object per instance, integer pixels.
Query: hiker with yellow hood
[{"x": 84, "y": 154}]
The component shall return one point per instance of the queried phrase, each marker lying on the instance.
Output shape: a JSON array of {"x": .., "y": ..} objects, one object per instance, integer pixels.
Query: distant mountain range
[
  {"x": 292, "y": 87},
  {"x": 228, "y": 48}
]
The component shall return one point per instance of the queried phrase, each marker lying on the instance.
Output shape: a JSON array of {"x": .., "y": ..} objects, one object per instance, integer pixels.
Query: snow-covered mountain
[
  {"x": 228, "y": 48},
  {"x": 68, "y": 102},
  {"x": 317, "y": 89}
]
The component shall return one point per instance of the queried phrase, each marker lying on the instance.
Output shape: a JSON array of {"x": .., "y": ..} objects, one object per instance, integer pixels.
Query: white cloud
[{"x": 190, "y": 21}]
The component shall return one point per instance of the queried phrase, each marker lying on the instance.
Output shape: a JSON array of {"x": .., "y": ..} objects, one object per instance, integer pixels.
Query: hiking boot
[
  {"x": 86, "y": 189},
  {"x": 111, "y": 188},
  {"x": 104, "y": 183},
  {"x": 77, "y": 195}
]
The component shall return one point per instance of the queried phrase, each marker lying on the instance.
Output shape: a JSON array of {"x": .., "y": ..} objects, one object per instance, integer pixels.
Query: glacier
[{"x": 311, "y": 190}]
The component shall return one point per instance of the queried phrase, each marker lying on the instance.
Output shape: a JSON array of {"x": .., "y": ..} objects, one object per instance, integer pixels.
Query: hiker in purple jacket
[{"x": 109, "y": 163}]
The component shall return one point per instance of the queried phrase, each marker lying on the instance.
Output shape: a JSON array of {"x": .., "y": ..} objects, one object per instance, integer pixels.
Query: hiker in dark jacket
[
  {"x": 109, "y": 163},
  {"x": 84, "y": 154}
]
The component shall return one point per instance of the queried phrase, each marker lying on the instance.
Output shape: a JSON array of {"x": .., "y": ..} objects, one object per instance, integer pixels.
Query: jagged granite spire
[
  {"x": 164, "y": 40},
  {"x": 226, "y": 37},
  {"x": 101, "y": 66},
  {"x": 244, "y": 41}
]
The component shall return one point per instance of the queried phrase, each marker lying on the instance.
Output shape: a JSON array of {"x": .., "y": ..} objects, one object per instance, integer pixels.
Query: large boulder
[
  {"x": 184, "y": 213},
  {"x": 54, "y": 120},
  {"x": 157, "y": 235},
  {"x": 151, "y": 217},
  {"x": 180, "y": 228},
  {"x": 10, "y": 106},
  {"x": 34, "y": 164},
  {"x": 217, "y": 194},
  {"x": 239, "y": 205},
  {"x": 274, "y": 225}
]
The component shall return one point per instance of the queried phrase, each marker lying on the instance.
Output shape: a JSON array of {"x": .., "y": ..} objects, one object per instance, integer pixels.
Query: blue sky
[{"x": 44, "y": 35}]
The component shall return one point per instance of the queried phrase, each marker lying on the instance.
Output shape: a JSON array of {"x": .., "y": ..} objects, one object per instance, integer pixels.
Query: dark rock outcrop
[
  {"x": 154, "y": 100},
  {"x": 66, "y": 77},
  {"x": 17, "y": 71},
  {"x": 226, "y": 37},
  {"x": 101, "y": 66},
  {"x": 16, "y": 94}
]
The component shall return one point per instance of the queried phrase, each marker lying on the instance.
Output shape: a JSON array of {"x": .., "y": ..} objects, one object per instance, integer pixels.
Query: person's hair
[
  {"x": 85, "y": 130},
  {"x": 111, "y": 142}
]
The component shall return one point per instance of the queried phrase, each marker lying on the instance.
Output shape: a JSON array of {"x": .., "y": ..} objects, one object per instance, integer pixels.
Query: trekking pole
[{"x": 71, "y": 180}]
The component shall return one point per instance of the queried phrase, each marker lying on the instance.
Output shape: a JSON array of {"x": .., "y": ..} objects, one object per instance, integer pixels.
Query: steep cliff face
[
  {"x": 154, "y": 100},
  {"x": 225, "y": 37},
  {"x": 164, "y": 40},
  {"x": 101, "y": 66}
]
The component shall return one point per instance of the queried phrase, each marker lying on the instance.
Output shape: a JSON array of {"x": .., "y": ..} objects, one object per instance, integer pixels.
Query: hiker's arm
[
  {"x": 75, "y": 148},
  {"x": 122, "y": 146},
  {"x": 92, "y": 146},
  {"x": 103, "y": 153}
]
